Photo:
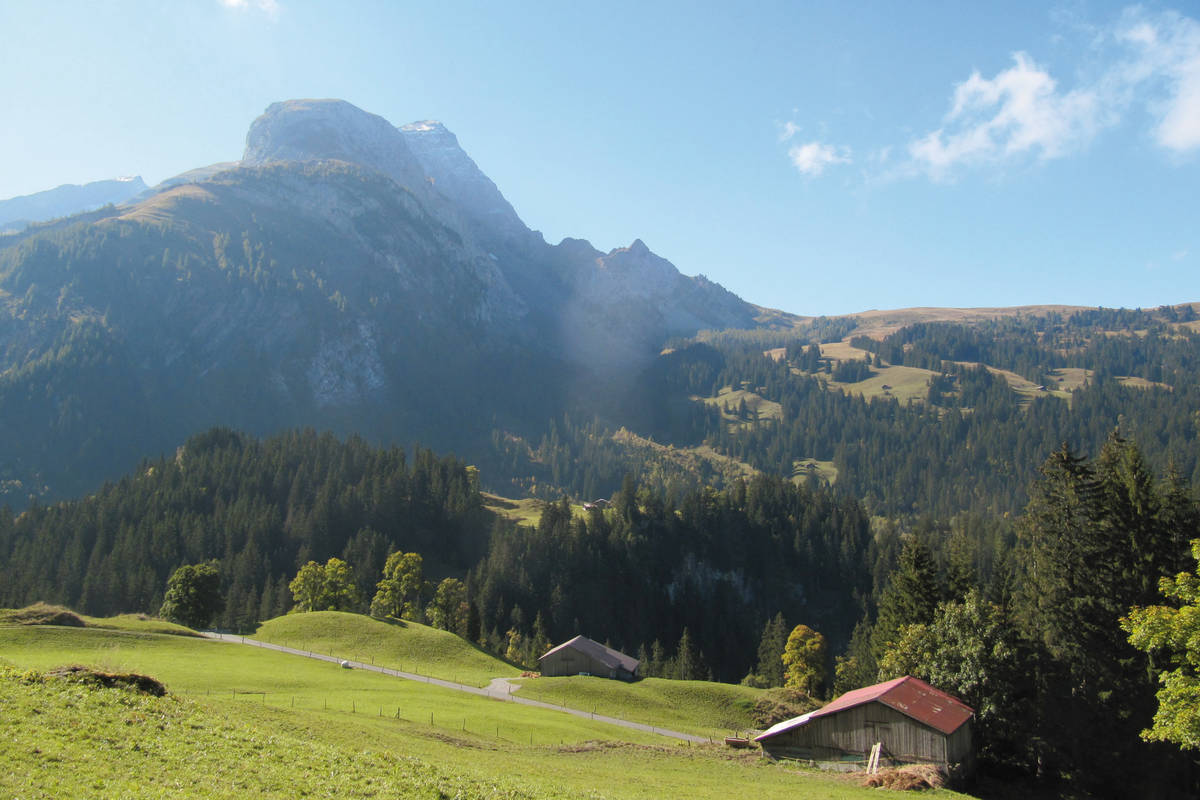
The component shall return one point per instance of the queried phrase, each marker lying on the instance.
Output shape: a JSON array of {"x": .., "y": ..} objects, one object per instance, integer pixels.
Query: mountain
[
  {"x": 345, "y": 274},
  {"x": 68, "y": 199}
]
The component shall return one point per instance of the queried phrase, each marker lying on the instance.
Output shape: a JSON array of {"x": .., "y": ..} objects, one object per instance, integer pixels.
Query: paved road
[{"x": 498, "y": 689}]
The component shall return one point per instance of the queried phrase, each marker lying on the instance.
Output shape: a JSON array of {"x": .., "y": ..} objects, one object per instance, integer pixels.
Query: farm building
[
  {"x": 582, "y": 656},
  {"x": 914, "y": 723}
]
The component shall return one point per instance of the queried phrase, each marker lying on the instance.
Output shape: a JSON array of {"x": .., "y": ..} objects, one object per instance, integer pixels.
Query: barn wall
[
  {"x": 958, "y": 745},
  {"x": 572, "y": 662},
  {"x": 850, "y": 735}
]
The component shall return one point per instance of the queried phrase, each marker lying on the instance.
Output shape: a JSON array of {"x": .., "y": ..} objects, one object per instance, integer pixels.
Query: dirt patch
[
  {"x": 458, "y": 741},
  {"x": 914, "y": 778},
  {"x": 110, "y": 680},
  {"x": 42, "y": 614}
]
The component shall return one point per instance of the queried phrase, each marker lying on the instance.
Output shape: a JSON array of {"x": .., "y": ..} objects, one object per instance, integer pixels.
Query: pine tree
[
  {"x": 912, "y": 595},
  {"x": 770, "y": 652},
  {"x": 1094, "y": 543},
  {"x": 689, "y": 667}
]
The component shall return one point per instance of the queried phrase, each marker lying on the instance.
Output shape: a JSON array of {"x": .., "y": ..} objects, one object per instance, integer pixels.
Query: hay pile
[
  {"x": 910, "y": 778},
  {"x": 110, "y": 680},
  {"x": 42, "y": 614},
  {"x": 776, "y": 705}
]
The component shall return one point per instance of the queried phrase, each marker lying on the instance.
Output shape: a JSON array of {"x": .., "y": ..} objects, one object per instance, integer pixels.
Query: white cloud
[
  {"x": 1142, "y": 66},
  {"x": 1018, "y": 112},
  {"x": 1166, "y": 73},
  {"x": 814, "y": 157},
  {"x": 787, "y": 130},
  {"x": 268, "y": 7},
  {"x": 1153, "y": 64}
]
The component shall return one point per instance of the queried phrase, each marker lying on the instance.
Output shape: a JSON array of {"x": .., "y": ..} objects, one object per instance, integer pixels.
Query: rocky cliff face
[
  {"x": 606, "y": 311},
  {"x": 346, "y": 274},
  {"x": 455, "y": 175},
  {"x": 308, "y": 130}
]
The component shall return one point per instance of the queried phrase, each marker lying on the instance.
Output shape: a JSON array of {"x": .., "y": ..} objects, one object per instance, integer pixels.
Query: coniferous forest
[{"x": 989, "y": 540}]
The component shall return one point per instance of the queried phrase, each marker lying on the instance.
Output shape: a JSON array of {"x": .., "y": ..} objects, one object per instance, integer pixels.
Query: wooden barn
[
  {"x": 914, "y": 723},
  {"x": 582, "y": 656}
]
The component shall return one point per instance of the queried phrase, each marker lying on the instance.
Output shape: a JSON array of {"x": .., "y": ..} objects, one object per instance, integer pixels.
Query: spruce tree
[
  {"x": 770, "y": 652},
  {"x": 912, "y": 595}
]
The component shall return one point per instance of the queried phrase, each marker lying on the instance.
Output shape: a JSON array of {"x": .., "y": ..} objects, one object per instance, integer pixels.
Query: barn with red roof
[{"x": 913, "y": 721}]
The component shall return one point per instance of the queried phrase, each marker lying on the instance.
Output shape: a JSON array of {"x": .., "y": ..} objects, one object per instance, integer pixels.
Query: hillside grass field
[
  {"x": 405, "y": 646},
  {"x": 240, "y": 721},
  {"x": 526, "y": 511},
  {"x": 703, "y": 708},
  {"x": 733, "y": 398}
]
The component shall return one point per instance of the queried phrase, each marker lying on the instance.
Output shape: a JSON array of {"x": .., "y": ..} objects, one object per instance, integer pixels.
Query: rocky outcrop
[
  {"x": 456, "y": 176},
  {"x": 606, "y": 311},
  {"x": 310, "y": 130}
]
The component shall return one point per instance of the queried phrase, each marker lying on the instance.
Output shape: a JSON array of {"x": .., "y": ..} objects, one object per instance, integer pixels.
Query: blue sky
[{"x": 819, "y": 157}]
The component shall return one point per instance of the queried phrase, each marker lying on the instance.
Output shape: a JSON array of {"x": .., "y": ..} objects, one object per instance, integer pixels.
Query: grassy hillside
[
  {"x": 64, "y": 739},
  {"x": 733, "y": 399},
  {"x": 47, "y": 614},
  {"x": 240, "y": 721},
  {"x": 406, "y": 646},
  {"x": 526, "y": 511},
  {"x": 700, "y": 707}
]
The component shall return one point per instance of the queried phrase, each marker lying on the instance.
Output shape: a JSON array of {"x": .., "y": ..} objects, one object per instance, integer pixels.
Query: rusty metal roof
[
  {"x": 614, "y": 659},
  {"x": 910, "y": 696}
]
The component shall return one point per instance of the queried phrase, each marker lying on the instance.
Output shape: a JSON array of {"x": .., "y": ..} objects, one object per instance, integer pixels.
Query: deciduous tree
[
  {"x": 193, "y": 595},
  {"x": 1173, "y": 633},
  {"x": 804, "y": 660},
  {"x": 325, "y": 587}
]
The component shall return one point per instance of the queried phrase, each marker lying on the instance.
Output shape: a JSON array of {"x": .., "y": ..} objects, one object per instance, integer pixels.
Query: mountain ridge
[{"x": 322, "y": 280}]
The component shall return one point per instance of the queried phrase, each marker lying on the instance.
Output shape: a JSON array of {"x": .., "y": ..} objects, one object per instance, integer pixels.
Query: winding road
[{"x": 499, "y": 688}]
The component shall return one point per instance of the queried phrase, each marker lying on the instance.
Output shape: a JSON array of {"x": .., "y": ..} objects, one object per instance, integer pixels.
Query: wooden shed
[
  {"x": 582, "y": 656},
  {"x": 914, "y": 723}
]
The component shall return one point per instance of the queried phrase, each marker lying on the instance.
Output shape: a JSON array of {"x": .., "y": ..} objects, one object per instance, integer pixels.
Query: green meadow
[
  {"x": 406, "y": 646},
  {"x": 241, "y": 721},
  {"x": 703, "y": 708}
]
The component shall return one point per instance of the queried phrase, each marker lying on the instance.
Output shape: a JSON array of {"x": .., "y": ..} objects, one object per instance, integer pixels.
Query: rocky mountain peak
[
  {"x": 456, "y": 176},
  {"x": 308, "y": 130}
]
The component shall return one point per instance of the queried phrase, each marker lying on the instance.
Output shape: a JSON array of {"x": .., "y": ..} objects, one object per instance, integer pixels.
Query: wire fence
[
  {"x": 451, "y": 722},
  {"x": 529, "y": 697}
]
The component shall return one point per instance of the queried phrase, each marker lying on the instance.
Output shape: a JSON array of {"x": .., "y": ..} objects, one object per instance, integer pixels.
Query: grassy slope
[
  {"x": 138, "y": 623},
  {"x": 406, "y": 646},
  {"x": 527, "y": 511},
  {"x": 689, "y": 458},
  {"x": 66, "y": 740},
  {"x": 767, "y": 409},
  {"x": 700, "y": 707},
  {"x": 206, "y": 740}
]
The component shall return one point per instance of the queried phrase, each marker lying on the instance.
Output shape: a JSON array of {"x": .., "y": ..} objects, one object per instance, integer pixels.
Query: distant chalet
[
  {"x": 582, "y": 656},
  {"x": 914, "y": 722}
]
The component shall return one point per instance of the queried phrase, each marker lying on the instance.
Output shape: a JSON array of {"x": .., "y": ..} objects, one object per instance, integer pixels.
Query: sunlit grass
[
  {"x": 242, "y": 721},
  {"x": 703, "y": 708},
  {"x": 406, "y": 646}
]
